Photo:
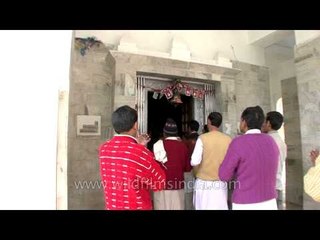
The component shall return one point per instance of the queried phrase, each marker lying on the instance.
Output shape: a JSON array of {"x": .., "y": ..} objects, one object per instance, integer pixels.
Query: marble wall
[
  {"x": 307, "y": 62},
  {"x": 91, "y": 93},
  {"x": 294, "y": 177},
  {"x": 252, "y": 87}
]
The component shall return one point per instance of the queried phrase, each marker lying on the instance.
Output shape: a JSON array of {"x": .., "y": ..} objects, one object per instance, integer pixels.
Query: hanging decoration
[
  {"x": 188, "y": 91},
  {"x": 84, "y": 44},
  {"x": 167, "y": 92},
  {"x": 201, "y": 94},
  {"x": 175, "y": 90}
]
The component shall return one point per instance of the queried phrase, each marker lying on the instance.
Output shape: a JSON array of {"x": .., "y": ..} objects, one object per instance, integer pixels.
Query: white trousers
[
  {"x": 266, "y": 205},
  {"x": 210, "y": 195}
]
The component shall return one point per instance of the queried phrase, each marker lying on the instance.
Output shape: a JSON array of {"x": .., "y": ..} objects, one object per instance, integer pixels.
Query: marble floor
[
  {"x": 285, "y": 205},
  {"x": 290, "y": 206}
]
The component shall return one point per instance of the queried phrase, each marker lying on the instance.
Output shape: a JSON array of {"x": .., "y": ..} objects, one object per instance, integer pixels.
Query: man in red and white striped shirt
[{"x": 128, "y": 169}]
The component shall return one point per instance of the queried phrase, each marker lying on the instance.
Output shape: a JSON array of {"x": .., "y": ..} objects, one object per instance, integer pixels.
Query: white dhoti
[
  {"x": 266, "y": 205},
  {"x": 210, "y": 195}
]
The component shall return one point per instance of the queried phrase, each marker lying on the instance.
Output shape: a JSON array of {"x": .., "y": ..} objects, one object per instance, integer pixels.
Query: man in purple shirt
[{"x": 252, "y": 160}]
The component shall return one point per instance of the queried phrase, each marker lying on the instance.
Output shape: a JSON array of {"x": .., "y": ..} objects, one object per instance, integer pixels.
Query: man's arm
[
  {"x": 229, "y": 164},
  {"x": 156, "y": 176},
  {"x": 197, "y": 153}
]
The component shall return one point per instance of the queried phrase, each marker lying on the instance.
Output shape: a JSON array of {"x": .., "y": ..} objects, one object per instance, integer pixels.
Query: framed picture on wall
[{"x": 88, "y": 125}]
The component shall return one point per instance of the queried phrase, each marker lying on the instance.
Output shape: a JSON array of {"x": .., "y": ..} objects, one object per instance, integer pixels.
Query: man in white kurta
[{"x": 272, "y": 124}]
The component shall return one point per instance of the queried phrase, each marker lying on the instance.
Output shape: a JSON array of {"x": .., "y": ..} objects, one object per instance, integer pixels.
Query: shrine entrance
[
  {"x": 155, "y": 104},
  {"x": 161, "y": 109}
]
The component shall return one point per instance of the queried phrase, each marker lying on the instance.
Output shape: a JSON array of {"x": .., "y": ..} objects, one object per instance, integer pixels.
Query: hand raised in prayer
[
  {"x": 313, "y": 155},
  {"x": 143, "y": 139}
]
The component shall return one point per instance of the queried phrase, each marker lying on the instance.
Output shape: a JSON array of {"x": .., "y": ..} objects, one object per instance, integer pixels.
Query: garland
[
  {"x": 84, "y": 44},
  {"x": 181, "y": 88}
]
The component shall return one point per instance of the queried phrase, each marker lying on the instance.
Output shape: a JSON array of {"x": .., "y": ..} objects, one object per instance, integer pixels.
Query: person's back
[
  {"x": 178, "y": 163},
  {"x": 252, "y": 159},
  {"x": 192, "y": 135},
  {"x": 124, "y": 168},
  {"x": 173, "y": 155},
  {"x": 191, "y": 139},
  {"x": 128, "y": 169},
  {"x": 256, "y": 170},
  {"x": 209, "y": 192},
  {"x": 190, "y": 142},
  {"x": 189, "y": 176},
  {"x": 282, "y": 158},
  {"x": 215, "y": 146},
  {"x": 272, "y": 124}
]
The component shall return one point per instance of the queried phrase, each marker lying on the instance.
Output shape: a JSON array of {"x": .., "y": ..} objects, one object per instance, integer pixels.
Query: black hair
[
  {"x": 215, "y": 119},
  {"x": 253, "y": 116},
  {"x": 205, "y": 129},
  {"x": 194, "y": 125},
  {"x": 124, "y": 118},
  {"x": 275, "y": 119}
]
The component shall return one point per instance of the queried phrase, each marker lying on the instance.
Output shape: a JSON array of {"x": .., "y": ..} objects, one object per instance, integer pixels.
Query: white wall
[
  {"x": 203, "y": 44},
  {"x": 267, "y": 38},
  {"x": 255, "y": 35},
  {"x": 276, "y": 54},
  {"x": 34, "y": 65},
  {"x": 305, "y": 35},
  {"x": 280, "y": 61}
]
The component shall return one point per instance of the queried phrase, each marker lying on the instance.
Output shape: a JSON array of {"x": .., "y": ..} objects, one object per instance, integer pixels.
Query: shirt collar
[
  {"x": 126, "y": 135},
  {"x": 173, "y": 138},
  {"x": 253, "y": 131},
  {"x": 272, "y": 131}
]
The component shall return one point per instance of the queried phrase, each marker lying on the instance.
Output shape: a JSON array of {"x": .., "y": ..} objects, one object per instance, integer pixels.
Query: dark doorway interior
[{"x": 161, "y": 109}]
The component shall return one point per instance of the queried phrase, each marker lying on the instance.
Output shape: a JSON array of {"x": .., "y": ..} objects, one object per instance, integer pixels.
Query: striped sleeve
[
  {"x": 312, "y": 181},
  {"x": 155, "y": 176},
  {"x": 158, "y": 177}
]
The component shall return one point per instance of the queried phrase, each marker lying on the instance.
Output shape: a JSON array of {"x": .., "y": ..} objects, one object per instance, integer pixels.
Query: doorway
[
  {"x": 153, "y": 110},
  {"x": 159, "y": 109}
]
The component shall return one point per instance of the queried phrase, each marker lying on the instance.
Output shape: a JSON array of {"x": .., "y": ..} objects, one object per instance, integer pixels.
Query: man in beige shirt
[{"x": 209, "y": 192}]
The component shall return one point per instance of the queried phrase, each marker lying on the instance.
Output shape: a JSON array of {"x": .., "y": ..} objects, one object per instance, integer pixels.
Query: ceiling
[
  {"x": 283, "y": 38},
  {"x": 288, "y": 42}
]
